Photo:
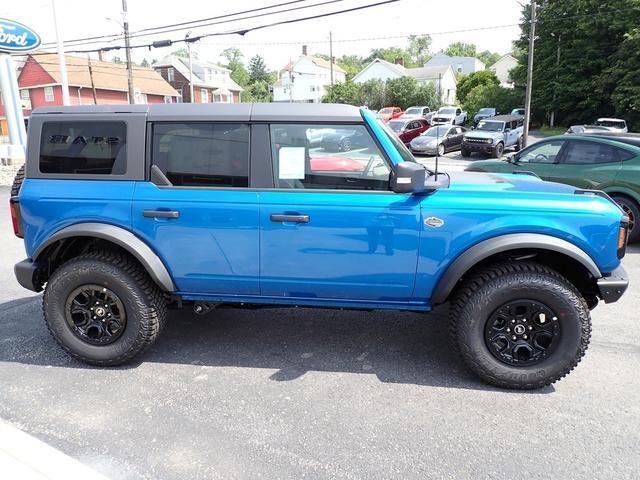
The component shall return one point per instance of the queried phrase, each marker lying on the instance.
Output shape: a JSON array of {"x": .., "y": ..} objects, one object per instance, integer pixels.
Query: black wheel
[
  {"x": 519, "y": 325},
  {"x": 518, "y": 146},
  {"x": 465, "y": 153},
  {"x": 632, "y": 211},
  {"x": 17, "y": 182},
  {"x": 103, "y": 308},
  {"x": 498, "y": 150}
]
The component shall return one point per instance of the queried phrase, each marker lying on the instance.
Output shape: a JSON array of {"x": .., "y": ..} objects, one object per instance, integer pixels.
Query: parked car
[
  {"x": 343, "y": 140},
  {"x": 439, "y": 139},
  {"x": 115, "y": 233},
  {"x": 518, "y": 111},
  {"x": 616, "y": 125},
  {"x": 389, "y": 113},
  {"x": 484, "y": 113},
  {"x": 335, "y": 164},
  {"x": 608, "y": 162},
  {"x": 493, "y": 135},
  {"x": 424, "y": 112},
  {"x": 407, "y": 130},
  {"x": 451, "y": 115},
  {"x": 586, "y": 129}
]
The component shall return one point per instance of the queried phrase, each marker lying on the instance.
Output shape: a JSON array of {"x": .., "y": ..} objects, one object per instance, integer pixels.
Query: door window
[
  {"x": 544, "y": 153},
  {"x": 342, "y": 157},
  {"x": 202, "y": 154},
  {"x": 590, "y": 153}
]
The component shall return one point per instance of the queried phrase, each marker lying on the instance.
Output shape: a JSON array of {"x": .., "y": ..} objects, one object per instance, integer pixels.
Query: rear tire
[
  {"x": 631, "y": 210},
  {"x": 482, "y": 332},
  {"x": 123, "y": 289},
  {"x": 518, "y": 146},
  {"x": 17, "y": 182}
]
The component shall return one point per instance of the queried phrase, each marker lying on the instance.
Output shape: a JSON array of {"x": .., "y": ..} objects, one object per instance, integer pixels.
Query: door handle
[
  {"x": 161, "y": 214},
  {"x": 277, "y": 217}
]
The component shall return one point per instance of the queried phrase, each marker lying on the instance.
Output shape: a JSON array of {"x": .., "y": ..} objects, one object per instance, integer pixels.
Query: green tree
[
  {"x": 471, "y": 81},
  {"x": 372, "y": 94},
  {"x": 257, "y": 91},
  {"x": 624, "y": 80},
  {"x": 401, "y": 92},
  {"x": 343, "y": 92},
  {"x": 184, "y": 53},
  {"x": 258, "y": 70},
  {"x": 351, "y": 64},
  {"x": 232, "y": 55},
  {"x": 503, "y": 99},
  {"x": 460, "y": 49},
  {"x": 391, "y": 55},
  {"x": 419, "y": 49},
  {"x": 488, "y": 58},
  {"x": 144, "y": 63},
  {"x": 239, "y": 73},
  {"x": 426, "y": 94}
]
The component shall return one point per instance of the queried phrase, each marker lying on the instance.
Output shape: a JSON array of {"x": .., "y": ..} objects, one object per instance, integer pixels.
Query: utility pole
[
  {"x": 186, "y": 40},
  {"x": 127, "y": 48},
  {"x": 61, "y": 58},
  {"x": 93, "y": 86},
  {"x": 527, "y": 101},
  {"x": 331, "y": 55}
]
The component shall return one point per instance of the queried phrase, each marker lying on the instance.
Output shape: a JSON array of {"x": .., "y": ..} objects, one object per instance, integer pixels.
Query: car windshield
[
  {"x": 611, "y": 123},
  {"x": 447, "y": 111},
  {"x": 490, "y": 126},
  {"x": 440, "y": 131},
  {"x": 413, "y": 111},
  {"x": 396, "y": 126},
  {"x": 400, "y": 146},
  {"x": 486, "y": 110}
]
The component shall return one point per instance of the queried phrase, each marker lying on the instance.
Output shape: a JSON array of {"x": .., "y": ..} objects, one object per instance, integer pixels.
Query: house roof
[
  {"x": 319, "y": 62},
  {"x": 507, "y": 56},
  {"x": 106, "y": 75},
  {"x": 181, "y": 64},
  {"x": 441, "y": 57},
  {"x": 419, "y": 73}
]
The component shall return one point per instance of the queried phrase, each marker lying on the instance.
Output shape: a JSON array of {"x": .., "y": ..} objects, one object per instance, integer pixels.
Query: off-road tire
[
  {"x": 489, "y": 288},
  {"x": 465, "y": 153},
  {"x": 498, "y": 150},
  {"x": 17, "y": 182},
  {"x": 143, "y": 302},
  {"x": 632, "y": 210}
]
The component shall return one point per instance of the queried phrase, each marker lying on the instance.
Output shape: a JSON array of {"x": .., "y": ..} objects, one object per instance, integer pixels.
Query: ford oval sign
[{"x": 15, "y": 37}]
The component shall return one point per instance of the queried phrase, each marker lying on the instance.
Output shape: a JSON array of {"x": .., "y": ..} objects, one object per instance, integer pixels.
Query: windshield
[
  {"x": 400, "y": 146},
  {"x": 447, "y": 111},
  {"x": 490, "y": 126},
  {"x": 439, "y": 131},
  {"x": 413, "y": 111},
  {"x": 396, "y": 126},
  {"x": 486, "y": 110},
  {"x": 611, "y": 123}
]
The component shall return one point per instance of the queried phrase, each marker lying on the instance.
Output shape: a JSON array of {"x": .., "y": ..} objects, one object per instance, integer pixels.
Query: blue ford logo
[{"x": 15, "y": 37}]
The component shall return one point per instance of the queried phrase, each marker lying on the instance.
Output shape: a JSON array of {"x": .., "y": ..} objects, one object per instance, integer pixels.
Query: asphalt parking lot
[{"x": 303, "y": 393}]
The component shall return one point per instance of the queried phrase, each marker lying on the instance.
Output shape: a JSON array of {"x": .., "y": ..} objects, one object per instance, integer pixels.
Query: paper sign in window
[{"x": 291, "y": 163}]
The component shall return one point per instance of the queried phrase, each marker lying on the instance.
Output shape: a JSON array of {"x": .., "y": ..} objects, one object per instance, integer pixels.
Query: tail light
[
  {"x": 16, "y": 220},
  {"x": 623, "y": 234}
]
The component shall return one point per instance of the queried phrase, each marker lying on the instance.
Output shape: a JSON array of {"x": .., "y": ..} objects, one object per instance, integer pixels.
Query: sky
[{"x": 353, "y": 33}]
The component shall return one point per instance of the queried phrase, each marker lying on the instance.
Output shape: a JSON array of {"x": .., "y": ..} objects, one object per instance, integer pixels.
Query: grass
[{"x": 547, "y": 131}]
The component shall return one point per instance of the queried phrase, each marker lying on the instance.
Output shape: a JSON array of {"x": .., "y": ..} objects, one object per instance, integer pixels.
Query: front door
[
  {"x": 335, "y": 234},
  {"x": 201, "y": 218},
  {"x": 539, "y": 158},
  {"x": 454, "y": 138}
]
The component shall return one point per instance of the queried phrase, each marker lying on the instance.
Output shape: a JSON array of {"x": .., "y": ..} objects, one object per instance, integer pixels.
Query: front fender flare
[
  {"x": 504, "y": 243},
  {"x": 121, "y": 237}
]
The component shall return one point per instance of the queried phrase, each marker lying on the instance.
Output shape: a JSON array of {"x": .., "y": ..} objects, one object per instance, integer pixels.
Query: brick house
[
  {"x": 211, "y": 82},
  {"x": 40, "y": 85}
]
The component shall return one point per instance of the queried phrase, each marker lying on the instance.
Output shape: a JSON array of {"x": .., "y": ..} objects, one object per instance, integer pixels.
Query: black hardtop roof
[
  {"x": 260, "y": 112},
  {"x": 503, "y": 118}
]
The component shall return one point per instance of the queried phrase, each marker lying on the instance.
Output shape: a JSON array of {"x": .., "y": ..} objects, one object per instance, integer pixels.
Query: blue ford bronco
[{"x": 126, "y": 211}]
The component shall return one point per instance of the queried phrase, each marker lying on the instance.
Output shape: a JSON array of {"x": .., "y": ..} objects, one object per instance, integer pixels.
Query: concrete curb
[{"x": 25, "y": 457}]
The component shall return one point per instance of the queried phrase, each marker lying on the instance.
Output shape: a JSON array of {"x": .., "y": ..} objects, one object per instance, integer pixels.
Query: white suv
[{"x": 613, "y": 124}]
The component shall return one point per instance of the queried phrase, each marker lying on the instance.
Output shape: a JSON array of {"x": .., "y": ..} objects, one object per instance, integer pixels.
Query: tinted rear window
[{"x": 83, "y": 148}]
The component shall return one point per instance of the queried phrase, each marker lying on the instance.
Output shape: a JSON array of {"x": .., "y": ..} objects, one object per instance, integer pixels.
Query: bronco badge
[{"x": 434, "y": 222}]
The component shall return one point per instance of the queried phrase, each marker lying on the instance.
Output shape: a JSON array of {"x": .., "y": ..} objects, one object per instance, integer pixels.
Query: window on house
[
  {"x": 26, "y": 99},
  {"x": 202, "y": 154},
  {"x": 48, "y": 94},
  {"x": 204, "y": 96},
  {"x": 171, "y": 74},
  {"x": 83, "y": 148}
]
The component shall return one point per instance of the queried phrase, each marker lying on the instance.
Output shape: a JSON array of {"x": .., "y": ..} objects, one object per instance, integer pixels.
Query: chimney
[
  {"x": 304, "y": 50},
  {"x": 399, "y": 61}
]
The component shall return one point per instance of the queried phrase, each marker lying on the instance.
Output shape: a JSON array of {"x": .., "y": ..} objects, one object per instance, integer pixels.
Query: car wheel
[
  {"x": 518, "y": 146},
  {"x": 519, "y": 325},
  {"x": 465, "y": 153},
  {"x": 498, "y": 150},
  {"x": 631, "y": 210},
  {"x": 103, "y": 308},
  {"x": 440, "y": 150}
]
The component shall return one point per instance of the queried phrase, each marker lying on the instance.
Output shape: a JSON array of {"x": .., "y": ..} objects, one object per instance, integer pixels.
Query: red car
[
  {"x": 389, "y": 113},
  {"x": 409, "y": 129},
  {"x": 336, "y": 164}
]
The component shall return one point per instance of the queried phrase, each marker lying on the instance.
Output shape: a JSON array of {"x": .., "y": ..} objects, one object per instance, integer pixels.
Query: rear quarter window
[{"x": 83, "y": 148}]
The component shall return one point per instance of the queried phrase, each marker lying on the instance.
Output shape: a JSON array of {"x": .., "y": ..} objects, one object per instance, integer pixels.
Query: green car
[{"x": 608, "y": 162}]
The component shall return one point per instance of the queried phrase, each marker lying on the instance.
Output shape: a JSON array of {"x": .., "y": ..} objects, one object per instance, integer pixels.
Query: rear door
[{"x": 197, "y": 211}]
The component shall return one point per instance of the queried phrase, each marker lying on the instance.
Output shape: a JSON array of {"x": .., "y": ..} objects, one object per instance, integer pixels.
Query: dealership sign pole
[{"x": 14, "y": 38}]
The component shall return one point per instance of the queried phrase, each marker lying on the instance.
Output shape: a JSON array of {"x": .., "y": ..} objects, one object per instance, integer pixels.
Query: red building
[{"x": 90, "y": 82}]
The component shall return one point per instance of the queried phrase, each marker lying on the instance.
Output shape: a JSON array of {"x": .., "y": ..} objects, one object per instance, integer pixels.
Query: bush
[
  {"x": 468, "y": 82},
  {"x": 372, "y": 94},
  {"x": 503, "y": 99},
  {"x": 344, "y": 92}
]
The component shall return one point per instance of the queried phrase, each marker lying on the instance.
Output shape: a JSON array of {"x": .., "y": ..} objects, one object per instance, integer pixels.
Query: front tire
[
  {"x": 465, "y": 153},
  {"x": 498, "y": 150},
  {"x": 103, "y": 308},
  {"x": 632, "y": 211},
  {"x": 519, "y": 325}
]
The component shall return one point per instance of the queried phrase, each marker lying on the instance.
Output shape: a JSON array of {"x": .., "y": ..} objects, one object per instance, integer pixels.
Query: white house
[
  {"x": 463, "y": 65},
  {"x": 502, "y": 67},
  {"x": 306, "y": 79},
  {"x": 441, "y": 76}
]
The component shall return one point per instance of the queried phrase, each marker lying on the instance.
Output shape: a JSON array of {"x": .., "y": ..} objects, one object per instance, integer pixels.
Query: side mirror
[
  {"x": 511, "y": 158},
  {"x": 408, "y": 177}
]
